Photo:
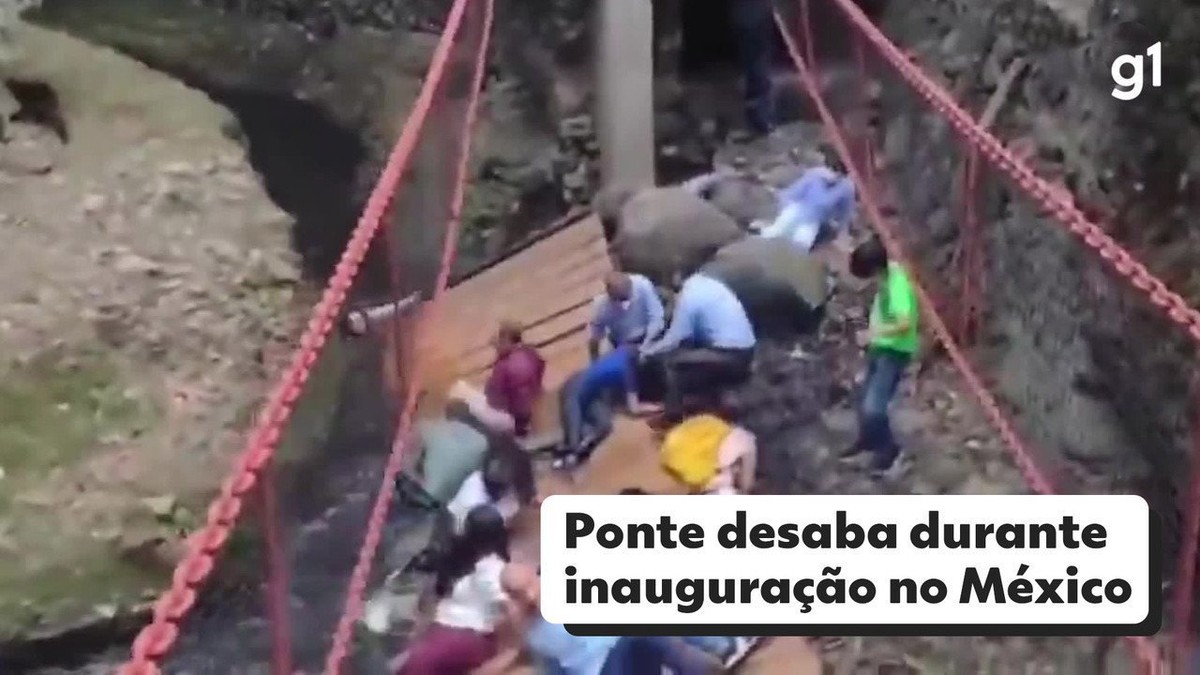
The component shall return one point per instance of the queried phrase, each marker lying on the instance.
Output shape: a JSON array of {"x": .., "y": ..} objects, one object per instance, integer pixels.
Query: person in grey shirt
[{"x": 628, "y": 312}]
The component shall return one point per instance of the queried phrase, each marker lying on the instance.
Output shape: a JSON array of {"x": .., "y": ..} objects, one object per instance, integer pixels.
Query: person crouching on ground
[
  {"x": 709, "y": 345},
  {"x": 588, "y": 400},
  {"x": 891, "y": 340},
  {"x": 470, "y": 600},
  {"x": 709, "y": 455},
  {"x": 629, "y": 311}
]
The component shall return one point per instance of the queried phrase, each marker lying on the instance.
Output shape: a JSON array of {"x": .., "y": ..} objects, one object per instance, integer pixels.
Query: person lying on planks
[
  {"x": 817, "y": 208},
  {"x": 513, "y": 387},
  {"x": 710, "y": 455},
  {"x": 588, "y": 399},
  {"x": 470, "y": 600},
  {"x": 629, "y": 311},
  {"x": 709, "y": 345},
  {"x": 554, "y": 651}
]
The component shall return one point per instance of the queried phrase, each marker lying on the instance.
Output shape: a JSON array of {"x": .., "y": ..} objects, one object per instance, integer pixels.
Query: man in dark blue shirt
[{"x": 588, "y": 399}]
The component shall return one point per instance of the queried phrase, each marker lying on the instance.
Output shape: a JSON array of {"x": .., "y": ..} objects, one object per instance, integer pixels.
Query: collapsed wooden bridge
[{"x": 547, "y": 287}]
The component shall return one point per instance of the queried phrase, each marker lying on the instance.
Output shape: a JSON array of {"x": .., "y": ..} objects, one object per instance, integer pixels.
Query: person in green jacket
[{"x": 891, "y": 340}]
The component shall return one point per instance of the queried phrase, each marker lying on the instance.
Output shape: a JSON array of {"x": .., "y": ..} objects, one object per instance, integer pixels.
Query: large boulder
[
  {"x": 668, "y": 233},
  {"x": 744, "y": 199},
  {"x": 778, "y": 284}
]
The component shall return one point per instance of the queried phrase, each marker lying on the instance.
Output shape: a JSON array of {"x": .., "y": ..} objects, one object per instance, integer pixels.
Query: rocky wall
[{"x": 1097, "y": 380}]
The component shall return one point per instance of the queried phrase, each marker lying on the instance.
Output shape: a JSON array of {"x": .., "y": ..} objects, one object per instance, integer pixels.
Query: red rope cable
[
  {"x": 160, "y": 635},
  {"x": 358, "y": 580},
  {"x": 278, "y": 607},
  {"x": 1033, "y": 476}
]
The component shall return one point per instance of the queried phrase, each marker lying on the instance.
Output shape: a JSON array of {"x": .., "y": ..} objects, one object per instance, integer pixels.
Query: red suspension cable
[{"x": 358, "y": 580}]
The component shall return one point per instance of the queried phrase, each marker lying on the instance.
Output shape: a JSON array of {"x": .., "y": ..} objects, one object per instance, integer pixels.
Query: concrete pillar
[{"x": 625, "y": 88}]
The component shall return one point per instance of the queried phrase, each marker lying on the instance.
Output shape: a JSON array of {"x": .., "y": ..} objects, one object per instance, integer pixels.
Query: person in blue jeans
[
  {"x": 891, "y": 340},
  {"x": 588, "y": 401}
]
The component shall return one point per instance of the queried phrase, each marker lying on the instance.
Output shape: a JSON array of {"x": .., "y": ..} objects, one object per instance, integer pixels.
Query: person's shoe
[
  {"x": 742, "y": 647},
  {"x": 412, "y": 495},
  {"x": 891, "y": 473},
  {"x": 565, "y": 463},
  {"x": 853, "y": 450}
]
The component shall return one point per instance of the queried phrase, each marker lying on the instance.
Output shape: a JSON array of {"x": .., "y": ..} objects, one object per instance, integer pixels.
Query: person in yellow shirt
[{"x": 891, "y": 340}]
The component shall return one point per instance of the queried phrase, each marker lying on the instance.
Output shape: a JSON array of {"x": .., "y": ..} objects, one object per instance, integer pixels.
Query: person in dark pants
[
  {"x": 891, "y": 341},
  {"x": 709, "y": 346},
  {"x": 754, "y": 29}
]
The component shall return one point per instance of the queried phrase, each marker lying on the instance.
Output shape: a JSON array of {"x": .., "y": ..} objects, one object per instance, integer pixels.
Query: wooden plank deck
[{"x": 548, "y": 288}]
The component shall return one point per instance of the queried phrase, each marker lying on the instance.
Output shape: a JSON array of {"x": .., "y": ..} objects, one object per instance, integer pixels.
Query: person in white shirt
[
  {"x": 492, "y": 485},
  {"x": 470, "y": 600}
]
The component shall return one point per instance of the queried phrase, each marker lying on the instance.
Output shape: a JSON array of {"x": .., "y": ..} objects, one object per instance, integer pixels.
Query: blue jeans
[
  {"x": 646, "y": 655},
  {"x": 885, "y": 368},
  {"x": 584, "y": 424}
]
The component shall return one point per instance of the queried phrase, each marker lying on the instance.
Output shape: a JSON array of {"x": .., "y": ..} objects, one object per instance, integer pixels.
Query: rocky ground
[
  {"x": 147, "y": 291},
  {"x": 803, "y": 411}
]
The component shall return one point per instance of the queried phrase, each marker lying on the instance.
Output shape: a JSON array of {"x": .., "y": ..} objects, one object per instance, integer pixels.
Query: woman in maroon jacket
[{"x": 515, "y": 384}]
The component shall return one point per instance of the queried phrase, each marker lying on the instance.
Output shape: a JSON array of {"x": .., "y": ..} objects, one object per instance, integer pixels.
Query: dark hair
[
  {"x": 508, "y": 466},
  {"x": 457, "y": 410},
  {"x": 832, "y": 159},
  {"x": 633, "y": 491},
  {"x": 868, "y": 259},
  {"x": 497, "y": 477},
  {"x": 483, "y": 534}
]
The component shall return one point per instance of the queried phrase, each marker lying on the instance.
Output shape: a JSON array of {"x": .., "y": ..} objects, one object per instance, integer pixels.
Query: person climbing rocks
[
  {"x": 707, "y": 454},
  {"x": 554, "y": 651},
  {"x": 470, "y": 600},
  {"x": 817, "y": 207},
  {"x": 588, "y": 401},
  {"x": 628, "y": 312},
  {"x": 513, "y": 387},
  {"x": 709, "y": 345},
  {"x": 891, "y": 340},
  {"x": 754, "y": 30}
]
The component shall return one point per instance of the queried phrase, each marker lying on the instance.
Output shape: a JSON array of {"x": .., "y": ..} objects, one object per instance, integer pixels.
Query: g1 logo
[{"x": 1130, "y": 86}]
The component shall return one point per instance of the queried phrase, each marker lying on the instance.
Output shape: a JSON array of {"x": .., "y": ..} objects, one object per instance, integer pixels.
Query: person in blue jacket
[{"x": 589, "y": 399}]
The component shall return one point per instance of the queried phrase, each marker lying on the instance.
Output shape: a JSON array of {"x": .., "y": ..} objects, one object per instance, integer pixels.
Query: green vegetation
[{"x": 55, "y": 408}]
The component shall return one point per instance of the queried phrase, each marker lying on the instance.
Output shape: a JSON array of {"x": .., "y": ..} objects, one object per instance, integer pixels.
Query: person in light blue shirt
[
  {"x": 554, "y": 651},
  {"x": 628, "y": 312},
  {"x": 816, "y": 207},
  {"x": 708, "y": 346}
]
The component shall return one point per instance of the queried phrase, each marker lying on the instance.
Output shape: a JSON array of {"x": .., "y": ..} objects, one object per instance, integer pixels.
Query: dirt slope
[{"x": 144, "y": 269}]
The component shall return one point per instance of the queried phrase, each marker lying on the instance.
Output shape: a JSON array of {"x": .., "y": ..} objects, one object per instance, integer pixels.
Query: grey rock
[{"x": 667, "y": 233}]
